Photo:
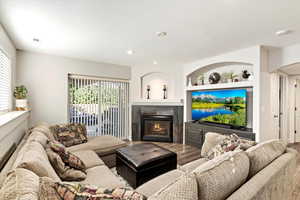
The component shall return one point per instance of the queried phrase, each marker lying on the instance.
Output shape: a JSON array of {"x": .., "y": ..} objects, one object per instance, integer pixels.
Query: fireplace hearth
[{"x": 157, "y": 128}]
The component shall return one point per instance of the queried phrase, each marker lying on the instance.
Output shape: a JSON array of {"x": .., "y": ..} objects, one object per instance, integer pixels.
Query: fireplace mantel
[{"x": 158, "y": 102}]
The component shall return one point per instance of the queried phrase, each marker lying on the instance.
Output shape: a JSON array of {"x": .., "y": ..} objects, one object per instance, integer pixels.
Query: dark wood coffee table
[{"x": 139, "y": 163}]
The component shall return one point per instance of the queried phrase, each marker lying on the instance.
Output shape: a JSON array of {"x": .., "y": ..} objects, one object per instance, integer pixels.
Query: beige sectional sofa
[
  {"x": 225, "y": 177},
  {"x": 274, "y": 179},
  {"x": 31, "y": 155}
]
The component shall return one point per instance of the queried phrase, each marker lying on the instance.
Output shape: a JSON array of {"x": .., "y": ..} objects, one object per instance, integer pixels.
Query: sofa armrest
[{"x": 274, "y": 182}]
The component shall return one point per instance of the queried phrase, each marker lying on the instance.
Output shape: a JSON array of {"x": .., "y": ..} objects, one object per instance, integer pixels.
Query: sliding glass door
[{"x": 101, "y": 104}]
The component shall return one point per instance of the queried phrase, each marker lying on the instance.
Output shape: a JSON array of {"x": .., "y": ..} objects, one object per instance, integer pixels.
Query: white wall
[
  {"x": 46, "y": 76},
  {"x": 265, "y": 105},
  {"x": 173, "y": 72},
  {"x": 9, "y": 49},
  {"x": 281, "y": 57}
]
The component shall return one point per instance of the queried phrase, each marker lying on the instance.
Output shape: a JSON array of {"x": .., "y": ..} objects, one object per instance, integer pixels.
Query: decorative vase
[
  {"x": 21, "y": 104},
  {"x": 214, "y": 78},
  {"x": 245, "y": 74},
  {"x": 190, "y": 82},
  {"x": 251, "y": 77}
]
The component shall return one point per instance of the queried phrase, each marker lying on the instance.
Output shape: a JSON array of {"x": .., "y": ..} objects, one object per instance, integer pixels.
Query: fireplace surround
[
  {"x": 174, "y": 112},
  {"x": 157, "y": 128}
]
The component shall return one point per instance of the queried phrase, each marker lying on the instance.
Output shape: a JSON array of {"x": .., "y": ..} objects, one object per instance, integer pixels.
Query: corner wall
[{"x": 46, "y": 78}]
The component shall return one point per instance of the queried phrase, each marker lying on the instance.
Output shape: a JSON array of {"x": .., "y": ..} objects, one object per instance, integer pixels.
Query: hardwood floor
[{"x": 185, "y": 153}]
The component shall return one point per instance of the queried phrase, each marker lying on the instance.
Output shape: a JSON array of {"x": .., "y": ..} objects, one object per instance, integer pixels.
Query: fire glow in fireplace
[{"x": 157, "y": 128}]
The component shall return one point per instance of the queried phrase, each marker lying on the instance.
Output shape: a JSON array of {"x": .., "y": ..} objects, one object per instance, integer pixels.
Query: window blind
[
  {"x": 101, "y": 104},
  {"x": 5, "y": 86}
]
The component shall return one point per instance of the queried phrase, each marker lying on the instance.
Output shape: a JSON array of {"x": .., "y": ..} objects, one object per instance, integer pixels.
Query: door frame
[
  {"x": 283, "y": 106},
  {"x": 296, "y": 85}
]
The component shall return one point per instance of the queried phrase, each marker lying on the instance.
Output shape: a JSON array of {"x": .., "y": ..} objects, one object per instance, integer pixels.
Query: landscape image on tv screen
[{"x": 220, "y": 106}]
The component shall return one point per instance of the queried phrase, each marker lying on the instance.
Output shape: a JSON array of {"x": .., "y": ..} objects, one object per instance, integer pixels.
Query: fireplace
[{"x": 157, "y": 128}]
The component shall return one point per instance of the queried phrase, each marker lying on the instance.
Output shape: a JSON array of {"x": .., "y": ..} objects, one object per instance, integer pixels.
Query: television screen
[{"x": 220, "y": 106}]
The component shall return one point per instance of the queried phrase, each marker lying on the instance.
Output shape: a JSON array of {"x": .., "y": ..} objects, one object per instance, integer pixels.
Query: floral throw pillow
[
  {"x": 69, "y": 191},
  {"x": 69, "y": 134},
  {"x": 229, "y": 143},
  {"x": 65, "y": 172},
  {"x": 67, "y": 157}
]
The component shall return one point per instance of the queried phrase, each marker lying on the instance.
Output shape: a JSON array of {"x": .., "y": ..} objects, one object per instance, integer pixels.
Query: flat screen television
[{"x": 220, "y": 106}]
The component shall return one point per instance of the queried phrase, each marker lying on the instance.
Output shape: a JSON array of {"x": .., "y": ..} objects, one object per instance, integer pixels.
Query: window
[
  {"x": 5, "y": 86},
  {"x": 101, "y": 104}
]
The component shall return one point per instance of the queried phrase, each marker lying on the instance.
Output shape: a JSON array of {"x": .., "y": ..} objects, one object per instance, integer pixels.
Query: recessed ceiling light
[
  {"x": 283, "y": 32},
  {"x": 130, "y": 52},
  {"x": 154, "y": 62},
  {"x": 161, "y": 34},
  {"x": 36, "y": 40}
]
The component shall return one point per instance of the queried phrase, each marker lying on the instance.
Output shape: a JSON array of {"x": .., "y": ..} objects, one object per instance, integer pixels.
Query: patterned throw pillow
[
  {"x": 68, "y": 191},
  {"x": 69, "y": 134},
  {"x": 229, "y": 143},
  {"x": 67, "y": 157},
  {"x": 47, "y": 190},
  {"x": 66, "y": 173}
]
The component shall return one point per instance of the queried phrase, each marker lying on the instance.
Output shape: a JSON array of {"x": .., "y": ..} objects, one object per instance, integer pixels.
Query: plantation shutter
[
  {"x": 101, "y": 104},
  {"x": 5, "y": 86}
]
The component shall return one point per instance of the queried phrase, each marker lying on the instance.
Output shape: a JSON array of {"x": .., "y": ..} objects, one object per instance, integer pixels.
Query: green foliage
[
  {"x": 237, "y": 118},
  {"x": 20, "y": 92},
  {"x": 201, "y": 105},
  {"x": 91, "y": 94}
]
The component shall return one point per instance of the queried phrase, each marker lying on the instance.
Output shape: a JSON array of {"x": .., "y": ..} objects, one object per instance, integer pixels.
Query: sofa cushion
[
  {"x": 68, "y": 191},
  {"x": 67, "y": 157},
  {"x": 65, "y": 172},
  {"x": 263, "y": 154},
  {"x": 20, "y": 184},
  {"x": 38, "y": 137},
  {"x": 210, "y": 141},
  {"x": 189, "y": 167},
  {"x": 184, "y": 188},
  {"x": 219, "y": 177},
  {"x": 151, "y": 187},
  {"x": 69, "y": 134},
  {"x": 45, "y": 129},
  {"x": 89, "y": 158},
  {"x": 34, "y": 158},
  {"x": 101, "y": 176},
  {"x": 102, "y": 145}
]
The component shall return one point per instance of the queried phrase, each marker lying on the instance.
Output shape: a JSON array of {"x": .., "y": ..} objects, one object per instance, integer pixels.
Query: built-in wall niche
[
  {"x": 156, "y": 81},
  {"x": 225, "y": 69}
]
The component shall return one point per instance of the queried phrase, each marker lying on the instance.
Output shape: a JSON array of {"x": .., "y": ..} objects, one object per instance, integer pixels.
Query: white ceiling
[{"x": 103, "y": 30}]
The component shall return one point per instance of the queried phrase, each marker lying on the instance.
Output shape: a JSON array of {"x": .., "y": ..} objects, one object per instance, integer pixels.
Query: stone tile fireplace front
[{"x": 163, "y": 123}]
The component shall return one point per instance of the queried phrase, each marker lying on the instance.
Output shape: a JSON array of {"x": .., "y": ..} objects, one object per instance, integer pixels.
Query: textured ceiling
[{"x": 103, "y": 30}]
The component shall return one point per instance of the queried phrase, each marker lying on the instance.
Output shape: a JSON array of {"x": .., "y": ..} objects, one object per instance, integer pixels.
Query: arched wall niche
[
  {"x": 156, "y": 81},
  {"x": 220, "y": 67}
]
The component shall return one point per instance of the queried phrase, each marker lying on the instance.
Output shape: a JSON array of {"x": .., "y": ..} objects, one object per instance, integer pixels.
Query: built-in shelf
[{"x": 242, "y": 84}]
